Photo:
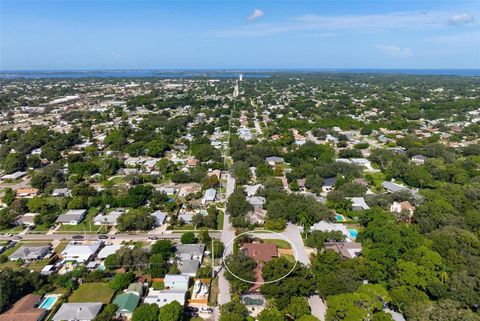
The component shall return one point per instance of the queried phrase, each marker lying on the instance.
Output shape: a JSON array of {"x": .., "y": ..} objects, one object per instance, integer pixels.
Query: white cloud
[
  {"x": 405, "y": 20},
  {"x": 394, "y": 50},
  {"x": 256, "y": 13},
  {"x": 460, "y": 19}
]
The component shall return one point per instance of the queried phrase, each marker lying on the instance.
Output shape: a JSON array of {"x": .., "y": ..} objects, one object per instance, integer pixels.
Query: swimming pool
[
  {"x": 340, "y": 217},
  {"x": 353, "y": 233},
  {"x": 48, "y": 302}
]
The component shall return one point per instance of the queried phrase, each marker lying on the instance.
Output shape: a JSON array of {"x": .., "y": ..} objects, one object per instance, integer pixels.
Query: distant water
[
  {"x": 266, "y": 73},
  {"x": 125, "y": 74}
]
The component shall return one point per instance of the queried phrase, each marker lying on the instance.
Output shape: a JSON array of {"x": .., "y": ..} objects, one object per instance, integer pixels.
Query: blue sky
[{"x": 239, "y": 34}]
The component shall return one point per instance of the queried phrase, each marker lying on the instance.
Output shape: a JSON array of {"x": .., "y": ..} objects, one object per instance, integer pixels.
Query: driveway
[{"x": 317, "y": 307}]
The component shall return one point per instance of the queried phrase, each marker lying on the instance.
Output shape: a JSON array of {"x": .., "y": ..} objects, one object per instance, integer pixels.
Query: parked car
[
  {"x": 103, "y": 237},
  {"x": 191, "y": 311},
  {"x": 153, "y": 238},
  {"x": 112, "y": 237},
  {"x": 11, "y": 244},
  {"x": 17, "y": 237},
  {"x": 8, "y": 234},
  {"x": 77, "y": 237},
  {"x": 206, "y": 310}
]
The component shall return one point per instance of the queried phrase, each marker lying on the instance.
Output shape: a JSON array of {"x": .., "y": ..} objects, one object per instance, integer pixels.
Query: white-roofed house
[
  {"x": 359, "y": 204},
  {"x": 71, "y": 217},
  {"x": 84, "y": 311},
  {"x": 176, "y": 282},
  {"x": 109, "y": 250},
  {"x": 80, "y": 252},
  {"x": 163, "y": 297},
  {"x": 109, "y": 218},
  {"x": 209, "y": 196},
  {"x": 329, "y": 227}
]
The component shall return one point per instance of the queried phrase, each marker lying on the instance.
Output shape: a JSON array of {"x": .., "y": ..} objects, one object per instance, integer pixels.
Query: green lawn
[
  {"x": 38, "y": 265},
  {"x": 13, "y": 230},
  {"x": 60, "y": 247},
  {"x": 40, "y": 229},
  {"x": 220, "y": 218},
  {"x": 281, "y": 244},
  {"x": 137, "y": 245},
  {"x": 92, "y": 292},
  {"x": 289, "y": 257},
  {"x": 118, "y": 180},
  {"x": 158, "y": 285},
  {"x": 186, "y": 227}
]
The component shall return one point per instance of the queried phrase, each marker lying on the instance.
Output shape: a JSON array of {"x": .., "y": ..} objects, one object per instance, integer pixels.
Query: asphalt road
[
  {"x": 228, "y": 234},
  {"x": 121, "y": 237}
]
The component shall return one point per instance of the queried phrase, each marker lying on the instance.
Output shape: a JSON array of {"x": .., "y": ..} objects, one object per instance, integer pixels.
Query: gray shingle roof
[{"x": 78, "y": 311}]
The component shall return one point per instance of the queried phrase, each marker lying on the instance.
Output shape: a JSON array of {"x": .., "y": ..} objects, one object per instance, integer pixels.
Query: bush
[{"x": 188, "y": 238}]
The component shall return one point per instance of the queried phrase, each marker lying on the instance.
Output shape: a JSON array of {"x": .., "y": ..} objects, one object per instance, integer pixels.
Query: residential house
[
  {"x": 190, "y": 251},
  {"x": 187, "y": 218},
  {"x": 419, "y": 159},
  {"x": 166, "y": 190},
  {"x": 109, "y": 218},
  {"x": 30, "y": 253},
  {"x": 160, "y": 216},
  {"x": 398, "y": 207},
  {"x": 84, "y": 311},
  {"x": 209, "y": 196},
  {"x": 329, "y": 227},
  {"x": 256, "y": 201},
  {"x": 26, "y": 192},
  {"x": 251, "y": 190},
  {"x": 189, "y": 267},
  {"x": 80, "y": 252},
  {"x": 261, "y": 252},
  {"x": 329, "y": 184},
  {"x": 25, "y": 310},
  {"x": 27, "y": 219},
  {"x": 273, "y": 160},
  {"x": 62, "y": 192},
  {"x": 359, "y": 204},
  {"x": 176, "y": 282},
  {"x": 192, "y": 162},
  {"x": 348, "y": 250},
  {"x": 164, "y": 297},
  {"x": 12, "y": 177},
  {"x": 392, "y": 187},
  {"x": 109, "y": 250},
  {"x": 71, "y": 217},
  {"x": 128, "y": 300},
  {"x": 257, "y": 216},
  {"x": 189, "y": 189}
]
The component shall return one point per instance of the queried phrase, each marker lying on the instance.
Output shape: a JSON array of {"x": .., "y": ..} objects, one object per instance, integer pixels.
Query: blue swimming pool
[
  {"x": 353, "y": 233},
  {"x": 339, "y": 217},
  {"x": 48, "y": 302}
]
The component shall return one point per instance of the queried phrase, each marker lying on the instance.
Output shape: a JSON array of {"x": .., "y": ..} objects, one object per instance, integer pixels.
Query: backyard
[{"x": 92, "y": 292}]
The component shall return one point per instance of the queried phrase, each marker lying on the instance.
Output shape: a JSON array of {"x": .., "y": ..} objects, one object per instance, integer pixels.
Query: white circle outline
[{"x": 265, "y": 282}]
